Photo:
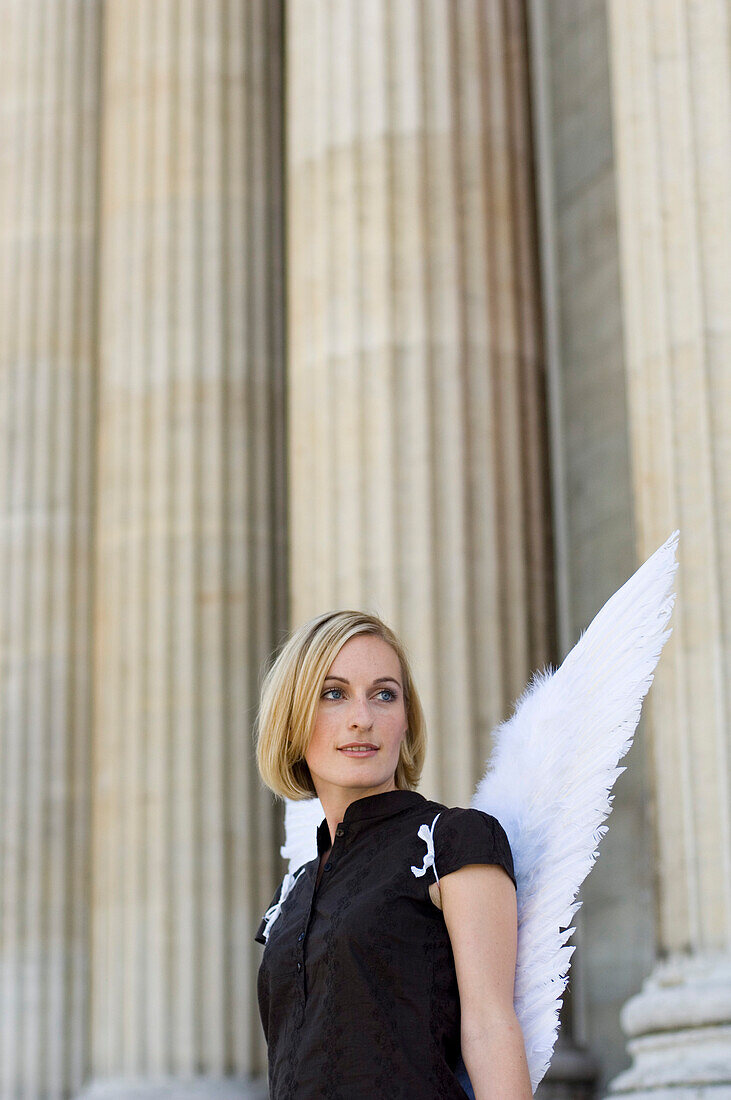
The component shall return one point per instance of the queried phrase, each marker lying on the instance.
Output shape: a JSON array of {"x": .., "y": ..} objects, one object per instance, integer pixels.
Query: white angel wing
[
  {"x": 301, "y": 819},
  {"x": 552, "y": 765}
]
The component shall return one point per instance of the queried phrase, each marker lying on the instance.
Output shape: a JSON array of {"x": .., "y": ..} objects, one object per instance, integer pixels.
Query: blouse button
[
  {"x": 340, "y": 832},
  {"x": 299, "y": 965},
  {"x": 328, "y": 865},
  {"x": 301, "y": 936}
]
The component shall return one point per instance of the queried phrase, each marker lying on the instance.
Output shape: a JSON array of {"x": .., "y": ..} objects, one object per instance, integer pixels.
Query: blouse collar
[{"x": 374, "y": 807}]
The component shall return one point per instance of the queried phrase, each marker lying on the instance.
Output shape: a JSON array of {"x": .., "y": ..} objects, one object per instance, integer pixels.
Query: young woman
[{"x": 388, "y": 968}]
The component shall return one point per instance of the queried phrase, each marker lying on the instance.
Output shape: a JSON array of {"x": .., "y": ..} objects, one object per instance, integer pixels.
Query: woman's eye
[{"x": 383, "y": 691}]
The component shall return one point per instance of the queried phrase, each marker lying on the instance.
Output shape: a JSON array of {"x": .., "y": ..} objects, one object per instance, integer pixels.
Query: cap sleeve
[
  {"x": 260, "y": 937},
  {"x": 463, "y": 836}
]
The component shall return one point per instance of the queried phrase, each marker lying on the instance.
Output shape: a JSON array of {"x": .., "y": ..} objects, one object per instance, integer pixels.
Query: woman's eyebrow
[{"x": 380, "y": 680}]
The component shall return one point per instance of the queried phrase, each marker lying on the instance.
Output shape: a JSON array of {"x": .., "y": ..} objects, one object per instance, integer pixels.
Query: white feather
[
  {"x": 301, "y": 819},
  {"x": 551, "y": 768},
  {"x": 550, "y": 771}
]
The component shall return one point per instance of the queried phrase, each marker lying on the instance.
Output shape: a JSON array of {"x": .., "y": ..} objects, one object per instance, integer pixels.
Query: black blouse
[{"x": 357, "y": 986}]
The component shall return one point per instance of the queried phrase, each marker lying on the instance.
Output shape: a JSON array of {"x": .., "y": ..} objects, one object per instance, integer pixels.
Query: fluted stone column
[
  {"x": 48, "y": 162},
  {"x": 189, "y": 542},
  {"x": 672, "y": 111},
  {"x": 416, "y": 392}
]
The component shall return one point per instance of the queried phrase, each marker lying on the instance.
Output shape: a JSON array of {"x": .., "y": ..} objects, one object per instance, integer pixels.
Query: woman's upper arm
[{"x": 479, "y": 904}]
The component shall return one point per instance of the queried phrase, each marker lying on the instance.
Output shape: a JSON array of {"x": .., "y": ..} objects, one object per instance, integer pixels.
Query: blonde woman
[{"x": 389, "y": 960}]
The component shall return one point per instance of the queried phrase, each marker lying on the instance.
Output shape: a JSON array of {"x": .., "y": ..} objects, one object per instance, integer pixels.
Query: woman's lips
[{"x": 359, "y": 752}]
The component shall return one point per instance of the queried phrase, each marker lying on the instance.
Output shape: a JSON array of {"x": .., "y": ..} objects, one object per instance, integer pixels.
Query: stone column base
[
  {"x": 175, "y": 1088},
  {"x": 679, "y": 1032}
]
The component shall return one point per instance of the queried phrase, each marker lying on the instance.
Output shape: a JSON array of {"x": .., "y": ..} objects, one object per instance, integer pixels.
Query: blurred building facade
[{"x": 415, "y": 307}]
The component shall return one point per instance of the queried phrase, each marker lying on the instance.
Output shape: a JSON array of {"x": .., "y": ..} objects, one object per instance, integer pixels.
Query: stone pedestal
[{"x": 679, "y": 1031}]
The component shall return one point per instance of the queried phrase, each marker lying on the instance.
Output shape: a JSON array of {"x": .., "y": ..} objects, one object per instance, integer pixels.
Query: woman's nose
[{"x": 360, "y": 712}]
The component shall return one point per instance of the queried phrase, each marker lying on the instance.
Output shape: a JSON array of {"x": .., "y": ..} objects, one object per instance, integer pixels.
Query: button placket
[{"x": 341, "y": 833}]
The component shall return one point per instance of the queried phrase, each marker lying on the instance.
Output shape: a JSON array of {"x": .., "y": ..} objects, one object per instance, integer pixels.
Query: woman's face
[{"x": 362, "y": 701}]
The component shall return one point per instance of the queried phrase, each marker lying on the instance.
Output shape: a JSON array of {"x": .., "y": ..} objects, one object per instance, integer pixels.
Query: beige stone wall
[
  {"x": 416, "y": 397},
  {"x": 142, "y": 540}
]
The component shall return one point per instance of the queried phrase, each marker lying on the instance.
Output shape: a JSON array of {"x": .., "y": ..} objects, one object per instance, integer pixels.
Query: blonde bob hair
[{"x": 290, "y": 696}]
